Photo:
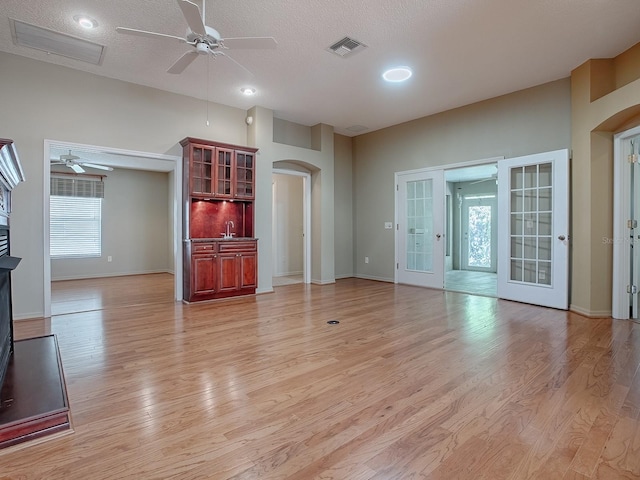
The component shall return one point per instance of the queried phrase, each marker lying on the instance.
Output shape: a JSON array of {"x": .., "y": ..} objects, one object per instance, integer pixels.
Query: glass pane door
[
  {"x": 420, "y": 229},
  {"x": 531, "y": 219},
  {"x": 533, "y": 229},
  {"x": 419, "y": 206}
]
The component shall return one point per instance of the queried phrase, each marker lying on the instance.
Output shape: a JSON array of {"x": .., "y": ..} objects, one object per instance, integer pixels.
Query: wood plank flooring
[{"x": 412, "y": 383}]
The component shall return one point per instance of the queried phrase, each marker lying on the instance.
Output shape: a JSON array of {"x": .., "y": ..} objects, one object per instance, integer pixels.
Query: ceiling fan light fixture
[
  {"x": 397, "y": 74},
  {"x": 248, "y": 91},
  {"x": 85, "y": 21}
]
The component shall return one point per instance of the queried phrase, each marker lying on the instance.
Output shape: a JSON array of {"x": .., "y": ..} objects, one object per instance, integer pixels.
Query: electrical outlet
[
  {"x": 366, "y": 259},
  {"x": 109, "y": 258}
]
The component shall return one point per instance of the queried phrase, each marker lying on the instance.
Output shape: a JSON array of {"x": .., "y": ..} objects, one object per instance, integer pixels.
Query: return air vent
[
  {"x": 346, "y": 47},
  {"x": 27, "y": 35}
]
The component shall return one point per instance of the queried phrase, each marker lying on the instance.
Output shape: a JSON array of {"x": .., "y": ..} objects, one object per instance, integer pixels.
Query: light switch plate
[{"x": 388, "y": 225}]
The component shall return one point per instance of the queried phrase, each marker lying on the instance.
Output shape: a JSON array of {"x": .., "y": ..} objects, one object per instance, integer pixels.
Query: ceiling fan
[
  {"x": 205, "y": 40},
  {"x": 71, "y": 161}
]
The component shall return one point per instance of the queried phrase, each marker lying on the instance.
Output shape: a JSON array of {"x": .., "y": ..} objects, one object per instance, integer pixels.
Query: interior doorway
[
  {"x": 291, "y": 243},
  {"x": 626, "y": 233},
  {"x": 121, "y": 159},
  {"x": 472, "y": 229}
]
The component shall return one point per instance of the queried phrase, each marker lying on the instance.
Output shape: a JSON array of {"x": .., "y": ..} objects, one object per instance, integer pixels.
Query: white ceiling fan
[
  {"x": 205, "y": 40},
  {"x": 70, "y": 160}
]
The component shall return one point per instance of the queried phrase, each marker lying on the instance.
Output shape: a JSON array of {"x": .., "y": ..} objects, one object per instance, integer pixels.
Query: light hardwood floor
[{"x": 412, "y": 383}]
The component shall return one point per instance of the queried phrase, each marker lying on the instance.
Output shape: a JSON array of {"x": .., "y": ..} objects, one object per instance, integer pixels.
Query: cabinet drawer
[
  {"x": 203, "y": 247},
  {"x": 248, "y": 246}
]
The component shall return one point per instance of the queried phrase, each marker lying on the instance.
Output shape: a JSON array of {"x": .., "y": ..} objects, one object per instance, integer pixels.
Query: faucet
[{"x": 228, "y": 225}]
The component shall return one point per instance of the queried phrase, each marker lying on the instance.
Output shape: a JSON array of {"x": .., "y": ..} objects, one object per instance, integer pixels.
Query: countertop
[{"x": 221, "y": 239}]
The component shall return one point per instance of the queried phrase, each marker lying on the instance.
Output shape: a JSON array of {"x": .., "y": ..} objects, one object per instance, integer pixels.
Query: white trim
[
  {"x": 373, "y": 277},
  {"x": 306, "y": 218},
  {"x": 621, "y": 201},
  {"x": 141, "y": 161}
]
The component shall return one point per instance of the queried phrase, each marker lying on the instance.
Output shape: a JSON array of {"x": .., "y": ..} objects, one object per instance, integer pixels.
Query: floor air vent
[{"x": 346, "y": 47}]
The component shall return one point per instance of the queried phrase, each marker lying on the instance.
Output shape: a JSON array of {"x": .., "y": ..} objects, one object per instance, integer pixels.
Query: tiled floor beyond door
[{"x": 479, "y": 283}]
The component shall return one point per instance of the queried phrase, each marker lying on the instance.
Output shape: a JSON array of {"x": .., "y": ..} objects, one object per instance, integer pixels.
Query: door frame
[
  {"x": 621, "y": 213},
  {"x": 306, "y": 218},
  {"x": 444, "y": 168},
  {"x": 122, "y": 158}
]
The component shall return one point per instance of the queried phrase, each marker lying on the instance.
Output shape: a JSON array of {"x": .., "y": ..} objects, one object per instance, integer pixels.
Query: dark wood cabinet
[
  {"x": 238, "y": 267},
  {"x": 218, "y": 170},
  {"x": 220, "y": 251},
  {"x": 204, "y": 266},
  {"x": 220, "y": 268}
]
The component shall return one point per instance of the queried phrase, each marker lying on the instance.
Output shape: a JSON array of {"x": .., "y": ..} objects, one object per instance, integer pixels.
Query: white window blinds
[{"x": 76, "y": 217}]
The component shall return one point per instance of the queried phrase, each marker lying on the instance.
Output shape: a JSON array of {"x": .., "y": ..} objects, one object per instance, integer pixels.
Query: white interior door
[
  {"x": 626, "y": 231},
  {"x": 420, "y": 229},
  {"x": 533, "y": 235}
]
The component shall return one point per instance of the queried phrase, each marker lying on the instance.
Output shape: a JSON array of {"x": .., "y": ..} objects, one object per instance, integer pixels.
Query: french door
[
  {"x": 420, "y": 229},
  {"x": 533, "y": 226}
]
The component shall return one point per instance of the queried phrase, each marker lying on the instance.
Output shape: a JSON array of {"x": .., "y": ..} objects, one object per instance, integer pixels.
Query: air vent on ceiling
[
  {"x": 346, "y": 47},
  {"x": 357, "y": 128},
  {"x": 27, "y": 35}
]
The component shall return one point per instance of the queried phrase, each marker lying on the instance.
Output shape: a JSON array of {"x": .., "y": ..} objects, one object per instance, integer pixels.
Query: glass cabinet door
[
  {"x": 223, "y": 172},
  {"x": 244, "y": 175},
  {"x": 201, "y": 170}
]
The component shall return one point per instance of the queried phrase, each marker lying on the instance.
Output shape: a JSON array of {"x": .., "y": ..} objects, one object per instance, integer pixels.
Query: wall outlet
[
  {"x": 109, "y": 258},
  {"x": 366, "y": 259},
  {"x": 388, "y": 225}
]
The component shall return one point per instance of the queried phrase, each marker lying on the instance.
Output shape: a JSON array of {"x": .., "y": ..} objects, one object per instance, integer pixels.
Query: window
[{"x": 75, "y": 217}]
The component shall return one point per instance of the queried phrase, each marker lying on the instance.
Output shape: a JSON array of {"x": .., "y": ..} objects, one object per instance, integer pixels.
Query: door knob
[
  {"x": 438, "y": 236},
  {"x": 561, "y": 237}
]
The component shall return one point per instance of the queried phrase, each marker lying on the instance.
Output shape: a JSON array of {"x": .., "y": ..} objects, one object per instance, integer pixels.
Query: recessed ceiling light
[
  {"x": 85, "y": 21},
  {"x": 248, "y": 91},
  {"x": 397, "y": 74}
]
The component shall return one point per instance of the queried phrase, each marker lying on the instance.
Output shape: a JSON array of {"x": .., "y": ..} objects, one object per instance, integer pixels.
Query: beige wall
[
  {"x": 135, "y": 226},
  {"x": 344, "y": 215},
  {"x": 288, "y": 225},
  {"x": 525, "y": 122},
  {"x": 318, "y": 161},
  {"x": 605, "y": 99}
]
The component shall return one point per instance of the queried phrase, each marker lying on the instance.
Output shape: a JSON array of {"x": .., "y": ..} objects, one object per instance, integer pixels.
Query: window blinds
[{"x": 75, "y": 217}]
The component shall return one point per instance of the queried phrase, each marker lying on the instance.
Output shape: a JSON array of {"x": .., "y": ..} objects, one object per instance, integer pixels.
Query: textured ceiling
[{"x": 461, "y": 51}]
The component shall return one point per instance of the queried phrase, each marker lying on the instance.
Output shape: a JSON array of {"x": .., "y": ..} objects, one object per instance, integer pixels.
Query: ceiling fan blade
[
  {"x": 144, "y": 33},
  {"x": 76, "y": 168},
  {"x": 183, "y": 62},
  {"x": 99, "y": 167},
  {"x": 236, "y": 62},
  {"x": 250, "y": 42},
  {"x": 192, "y": 15}
]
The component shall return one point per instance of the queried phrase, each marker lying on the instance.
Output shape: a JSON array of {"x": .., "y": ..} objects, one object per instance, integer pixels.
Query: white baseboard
[
  {"x": 288, "y": 274},
  {"x": 372, "y": 277},
  {"x": 589, "y": 313},
  {"x": 320, "y": 282}
]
